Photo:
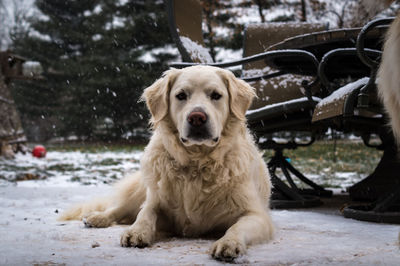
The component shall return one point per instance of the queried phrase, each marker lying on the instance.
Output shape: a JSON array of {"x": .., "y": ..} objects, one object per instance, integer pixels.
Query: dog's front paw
[
  {"x": 98, "y": 220},
  {"x": 227, "y": 249},
  {"x": 136, "y": 238}
]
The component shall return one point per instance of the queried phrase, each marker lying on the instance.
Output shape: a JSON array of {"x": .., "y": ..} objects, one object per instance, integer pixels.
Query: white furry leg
[
  {"x": 234, "y": 243},
  {"x": 143, "y": 231},
  {"x": 100, "y": 219}
]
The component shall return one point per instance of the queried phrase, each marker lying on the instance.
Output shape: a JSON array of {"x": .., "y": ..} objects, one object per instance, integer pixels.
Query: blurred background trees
[
  {"x": 99, "y": 55},
  {"x": 96, "y": 60}
]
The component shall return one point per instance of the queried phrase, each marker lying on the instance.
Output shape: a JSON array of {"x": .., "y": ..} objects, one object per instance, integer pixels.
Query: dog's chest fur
[{"x": 194, "y": 200}]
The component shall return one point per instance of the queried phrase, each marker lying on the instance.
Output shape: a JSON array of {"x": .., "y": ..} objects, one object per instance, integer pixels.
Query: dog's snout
[{"x": 197, "y": 118}]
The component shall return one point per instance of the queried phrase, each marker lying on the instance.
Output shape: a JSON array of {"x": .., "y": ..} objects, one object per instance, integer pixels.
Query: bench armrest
[{"x": 262, "y": 56}]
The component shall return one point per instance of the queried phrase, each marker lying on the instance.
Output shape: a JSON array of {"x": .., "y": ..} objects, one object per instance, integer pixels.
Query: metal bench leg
[
  {"x": 385, "y": 176},
  {"x": 286, "y": 173},
  {"x": 280, "y": 161},
  {"x": 385, "y": 210},
  {"x": 316, "y": 189},
  {"x": 284, "y": 196},
  {"x": 382, "y": 186}
]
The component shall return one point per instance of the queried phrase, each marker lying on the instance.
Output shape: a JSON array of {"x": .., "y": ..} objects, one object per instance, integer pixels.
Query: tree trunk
[
  {"x": 208, "y": 9},
  {"x": 260, "y": 9},
  {"x": 11, "y": 131},
  {"x": 303, "y": 11}
]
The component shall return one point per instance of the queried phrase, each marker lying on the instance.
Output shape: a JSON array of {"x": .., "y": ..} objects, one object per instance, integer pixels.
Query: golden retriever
[
  {"x": 201, "y": 172},
  {"x": 389, "y": 77}
]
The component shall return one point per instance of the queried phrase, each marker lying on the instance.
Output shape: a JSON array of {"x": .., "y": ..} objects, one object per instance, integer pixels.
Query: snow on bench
[
  {"x": 343, "y": 91},
  {"x": 196, "y": 50},
  {"x": 258, "y": 113}
]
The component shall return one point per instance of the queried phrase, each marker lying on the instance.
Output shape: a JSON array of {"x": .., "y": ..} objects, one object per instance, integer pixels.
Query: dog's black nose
[{"x": 197, "y": 118}]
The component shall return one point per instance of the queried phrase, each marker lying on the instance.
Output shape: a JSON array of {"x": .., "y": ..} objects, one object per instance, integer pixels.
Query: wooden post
[{"x": 11, "y": 132}]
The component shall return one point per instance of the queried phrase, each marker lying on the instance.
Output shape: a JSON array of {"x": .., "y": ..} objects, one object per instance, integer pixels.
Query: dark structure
[
  {"x": 11, "y": 131},
  {"x": 324, "y": 98}
]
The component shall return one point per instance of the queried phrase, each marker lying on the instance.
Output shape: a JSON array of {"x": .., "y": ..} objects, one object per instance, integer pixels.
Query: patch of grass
[
  {"x": 9, "y": 167},
  {"x": 96, "y": 147},
  {"x": 109, "y": 161},
  {"x": 325, "y": 160},
  {"x": 321, "y": 157},
  {"x": 62, "y": 167},
  {"x": 75, "y": 179}
]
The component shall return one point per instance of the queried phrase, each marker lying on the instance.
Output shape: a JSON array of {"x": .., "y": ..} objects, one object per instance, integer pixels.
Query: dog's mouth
[
  {"x": 185, "y": 140},
  {"x": 199, "y": 133},
  {"x": 199, "y": 140}
]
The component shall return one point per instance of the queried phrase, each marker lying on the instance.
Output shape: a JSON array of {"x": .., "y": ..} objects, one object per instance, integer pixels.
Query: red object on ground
[{"x": 39, "y": 151}]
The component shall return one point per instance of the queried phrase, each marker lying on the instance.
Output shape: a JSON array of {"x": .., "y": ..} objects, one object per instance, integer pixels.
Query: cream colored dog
[
  {"x": 201, "y": 172},
  {"x": 389, "y": 77}
]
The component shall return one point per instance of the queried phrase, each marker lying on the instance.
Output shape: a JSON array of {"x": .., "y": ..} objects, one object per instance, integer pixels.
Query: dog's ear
[
  {"x": 241, "y": 94},
  {"x": 157, "y": 96}
]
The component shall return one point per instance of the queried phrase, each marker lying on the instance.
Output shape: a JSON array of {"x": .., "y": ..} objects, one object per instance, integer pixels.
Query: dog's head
[{"x": 198, "y": 100}]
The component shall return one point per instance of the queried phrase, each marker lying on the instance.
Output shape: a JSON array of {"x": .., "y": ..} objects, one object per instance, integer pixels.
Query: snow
[
  {"x": 246, "y": 16},
  {"x": 97, "y": 37},
  {"x": 115, "y": 24},
  {"x": 225, "y": 55},
  {"x": 336, "y": 95},
  {"x": 31, "y": 235},
  {"x": 286, "y": 80},
  {"x": 247, "y": 73},
  {"x": 32, "y": 68},
  {"x": 270, "y": 106},
  {"x": 340, "y": 180},
  {"x": 123, "y": 2},
  {"x": 196, "y": 50},
  {"x": 151, "y": 56},
  {"x": 13, "y": 14},
  {"x": 6, "y": 100},
  {"x": 97, "y": 9},
  {"x": 70, "y": 168}
]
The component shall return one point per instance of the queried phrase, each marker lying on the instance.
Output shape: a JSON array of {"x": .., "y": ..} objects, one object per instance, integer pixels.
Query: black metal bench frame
[{"x": 386, "y": 205}]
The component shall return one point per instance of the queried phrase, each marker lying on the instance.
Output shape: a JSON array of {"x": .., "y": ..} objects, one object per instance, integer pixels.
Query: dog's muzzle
[{"x": 198, "y": 126}]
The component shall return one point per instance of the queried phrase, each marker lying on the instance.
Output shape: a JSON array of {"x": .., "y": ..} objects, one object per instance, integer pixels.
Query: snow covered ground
[
  {"x": 69, "y": 168},
  {"x": 30, "y": 233}
]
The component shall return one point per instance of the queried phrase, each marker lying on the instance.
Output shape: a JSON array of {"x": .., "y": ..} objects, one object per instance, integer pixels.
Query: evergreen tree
[
  {"x": 92, "y": 52},
  {"x": 217, "y": 14}
]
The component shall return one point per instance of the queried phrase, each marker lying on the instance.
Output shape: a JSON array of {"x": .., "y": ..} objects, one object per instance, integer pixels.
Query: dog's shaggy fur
[
  {"x": 389, "y": 77},
  {"x": 196, "y": 178}
]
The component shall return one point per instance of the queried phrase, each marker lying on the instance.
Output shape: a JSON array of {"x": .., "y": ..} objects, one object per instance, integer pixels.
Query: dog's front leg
[
  {"x": 254, "y": 227},
  {"x": 142, "y": 232}
]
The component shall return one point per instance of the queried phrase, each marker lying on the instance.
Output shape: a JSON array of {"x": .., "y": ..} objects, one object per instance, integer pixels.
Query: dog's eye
[
  {"x": 215, "y": 96},
  {"x": 181, "y": 96}
]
